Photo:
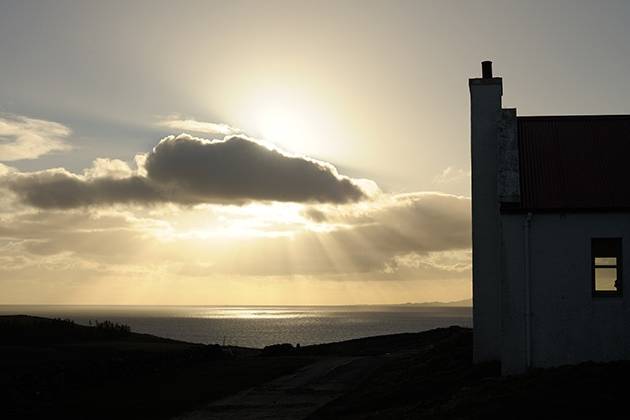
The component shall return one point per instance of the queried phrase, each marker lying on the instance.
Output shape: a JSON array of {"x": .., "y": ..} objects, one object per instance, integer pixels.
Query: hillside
[
  {"x": 58, "y": 369},
  {"x": 54, "y": 368}
]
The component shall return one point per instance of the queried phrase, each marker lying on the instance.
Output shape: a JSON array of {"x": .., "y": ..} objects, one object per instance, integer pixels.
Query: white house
[{"x": 551, "y": 226}]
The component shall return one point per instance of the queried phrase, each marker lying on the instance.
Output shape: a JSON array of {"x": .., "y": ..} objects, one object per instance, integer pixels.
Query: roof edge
[
  {"x": 574, "y": 117},
  {"x": 511, "y": 209}
]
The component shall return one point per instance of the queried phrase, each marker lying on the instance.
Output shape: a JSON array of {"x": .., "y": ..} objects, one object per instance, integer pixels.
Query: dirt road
[{"x": 293, "y": 396}]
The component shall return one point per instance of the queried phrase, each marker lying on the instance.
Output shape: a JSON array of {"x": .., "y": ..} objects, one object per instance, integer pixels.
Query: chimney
[
  {"x": 486, "y": 69},
  {"x": 485, "y": 113}
]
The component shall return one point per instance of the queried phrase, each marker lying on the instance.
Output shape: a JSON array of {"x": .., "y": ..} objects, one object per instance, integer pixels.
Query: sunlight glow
[
  {"x": 253, "y": 313},
  {"x": 281, "y": 125},
  {"x": 291, "y": 117},
  {"x": 256, "y": 220}
]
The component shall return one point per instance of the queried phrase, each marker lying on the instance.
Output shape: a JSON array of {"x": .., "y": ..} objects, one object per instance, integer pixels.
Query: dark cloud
[
  {"x": 63, "y": 190},
  {"x": 315, "y": 215},
  {"x": 241, "y": 169},
  {"x": 189, "y": 170}
]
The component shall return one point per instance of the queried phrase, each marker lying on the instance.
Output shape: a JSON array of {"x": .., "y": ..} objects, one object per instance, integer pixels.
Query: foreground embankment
[{"x": 57, "y": 369}]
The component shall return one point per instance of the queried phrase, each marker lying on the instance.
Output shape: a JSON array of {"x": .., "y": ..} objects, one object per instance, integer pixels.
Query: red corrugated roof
[{"x": 575, "y": 162}]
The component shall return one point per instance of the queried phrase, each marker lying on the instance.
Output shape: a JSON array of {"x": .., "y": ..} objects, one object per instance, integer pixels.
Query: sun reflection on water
[{"x": 252, "y": 313}]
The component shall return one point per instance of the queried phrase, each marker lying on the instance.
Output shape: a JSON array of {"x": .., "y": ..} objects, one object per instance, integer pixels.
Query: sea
[{"x": 259, "y": 326}]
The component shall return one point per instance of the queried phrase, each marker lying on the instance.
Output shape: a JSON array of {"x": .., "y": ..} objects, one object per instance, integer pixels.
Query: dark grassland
[{"x": 57, "y": 369}]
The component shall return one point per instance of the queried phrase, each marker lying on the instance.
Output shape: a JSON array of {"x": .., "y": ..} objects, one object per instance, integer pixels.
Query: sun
[
  {"x": 281, "y": 125},
  {"x": 294, "y": 119}
]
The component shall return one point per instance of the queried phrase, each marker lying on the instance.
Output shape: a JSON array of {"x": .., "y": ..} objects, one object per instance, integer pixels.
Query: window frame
[{"x": 618, "y": 249}]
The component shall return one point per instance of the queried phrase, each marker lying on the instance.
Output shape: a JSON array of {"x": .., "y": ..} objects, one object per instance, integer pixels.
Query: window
[{"x": 606, "y": 258}]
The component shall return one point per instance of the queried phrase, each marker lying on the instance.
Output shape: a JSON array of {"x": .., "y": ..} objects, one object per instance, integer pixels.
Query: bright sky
[{"x": 376, "y": 88}]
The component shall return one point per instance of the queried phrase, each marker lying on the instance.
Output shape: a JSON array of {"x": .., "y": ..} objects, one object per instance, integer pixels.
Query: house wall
[
  {"x": 485, "y": 107},
  {"x": 568, "y": 325}
]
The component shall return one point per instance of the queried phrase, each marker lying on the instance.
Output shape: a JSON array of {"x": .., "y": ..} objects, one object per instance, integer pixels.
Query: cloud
[
  {"x": 395, "y": 237},
  {"x": 454, "y": 262},
  {"x": 241, "y": 169},
  {"x": 288, "y": 216},
  {"x": 28, "y": 138},
  {"x": 451, "y": 175},
  {"x": 189, "y": 170},
  {"x": 5, "y": 170},
  {"x": 176, "y": 122},
  {"x": 415, "y": 224},
  {"x": 58, "y": 188},
  {"x": 109, "y": 168}
]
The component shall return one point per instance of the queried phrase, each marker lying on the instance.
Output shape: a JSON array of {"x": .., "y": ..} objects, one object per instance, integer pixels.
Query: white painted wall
[
  {"x": 485, "y": 104},
  {"x": 568, "y": 324}
]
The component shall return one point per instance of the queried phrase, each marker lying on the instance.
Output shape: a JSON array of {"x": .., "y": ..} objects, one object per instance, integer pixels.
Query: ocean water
[{"x": 258, "y": 326}]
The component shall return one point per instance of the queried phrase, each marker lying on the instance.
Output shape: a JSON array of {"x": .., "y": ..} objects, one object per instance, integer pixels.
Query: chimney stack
[
  {"x": 485, "y": 113},
  {"x": 486, "y": 69}
]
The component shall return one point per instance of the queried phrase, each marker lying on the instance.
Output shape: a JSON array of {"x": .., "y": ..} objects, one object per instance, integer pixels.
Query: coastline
[{"x": 261, "y": 326}]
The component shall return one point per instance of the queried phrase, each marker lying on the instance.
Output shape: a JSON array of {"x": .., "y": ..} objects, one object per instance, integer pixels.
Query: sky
[{"x": 277, "y": 152}]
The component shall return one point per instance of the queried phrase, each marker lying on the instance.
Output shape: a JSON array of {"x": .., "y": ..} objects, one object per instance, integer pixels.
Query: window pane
[
  {"x": 605, "y": 279},
  {"x": 605, "y": 261}
]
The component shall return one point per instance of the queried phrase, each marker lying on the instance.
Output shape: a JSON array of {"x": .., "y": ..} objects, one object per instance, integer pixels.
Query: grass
[{"x": 55, "y": 368}]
